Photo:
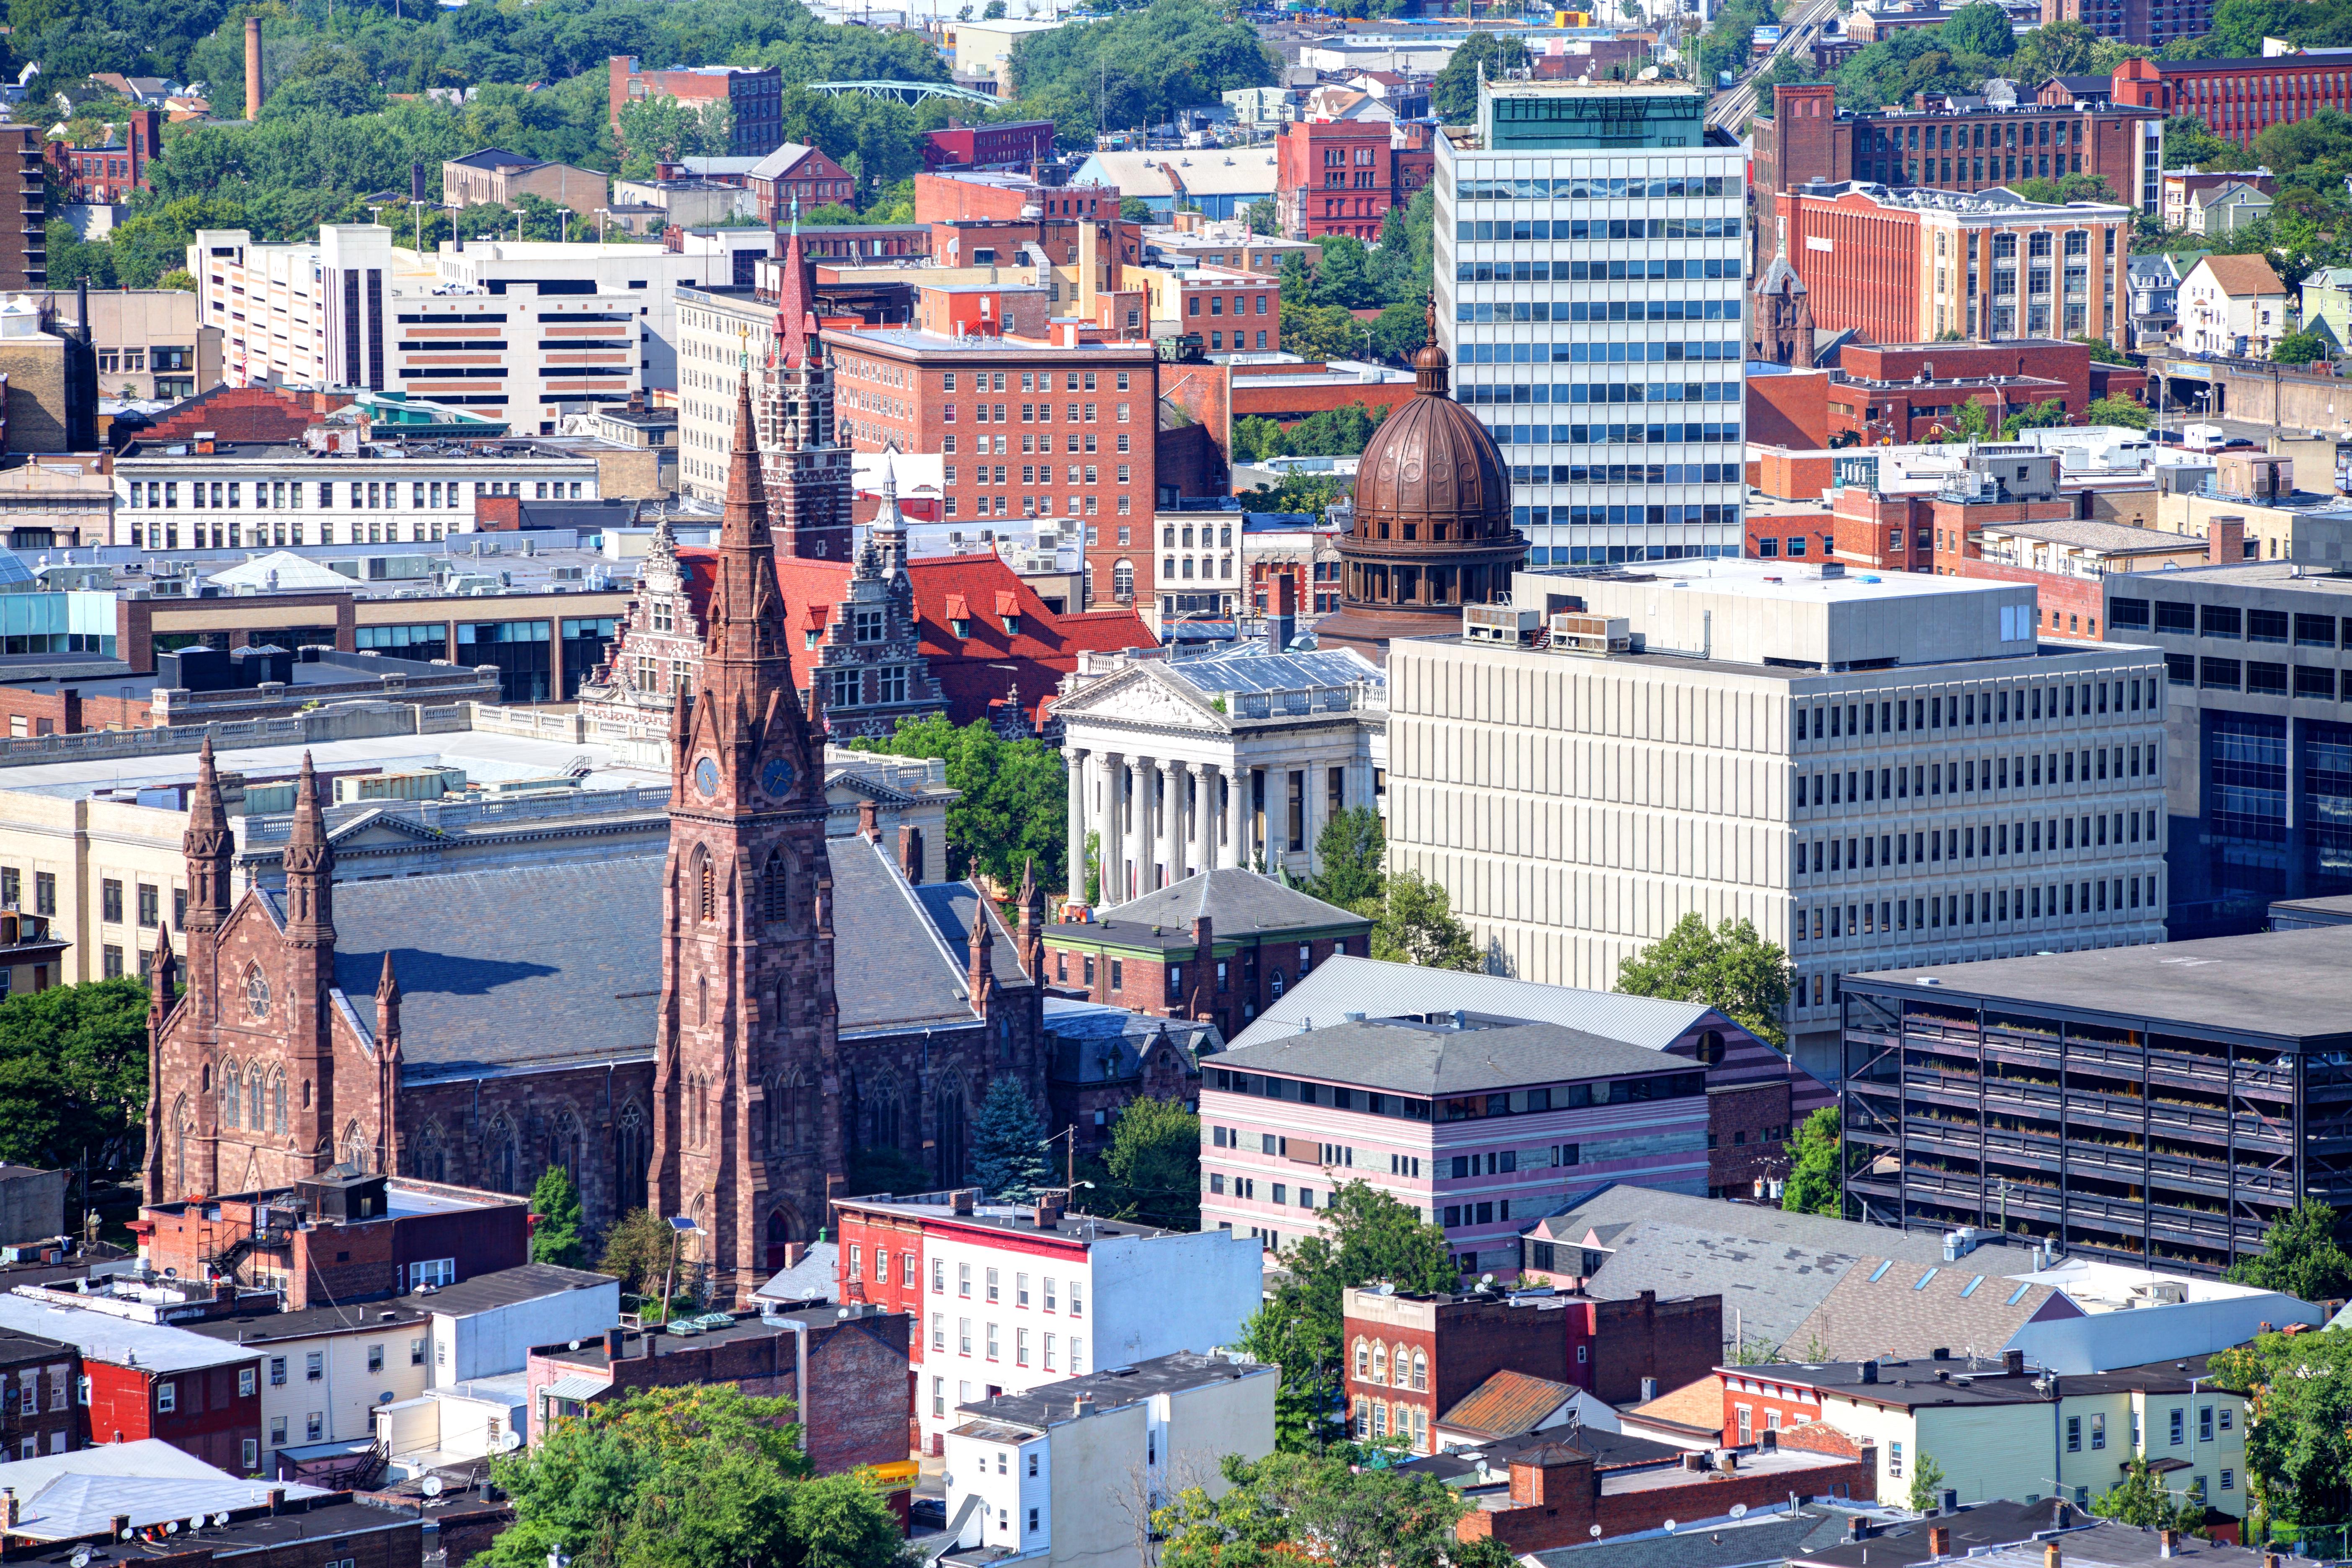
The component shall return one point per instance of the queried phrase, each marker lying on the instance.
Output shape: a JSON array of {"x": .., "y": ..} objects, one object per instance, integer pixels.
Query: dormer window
[
  {"x": 961, "y": 627},
  {"x": 1012, "y": 625},
  {"x": 809, "y": 638}
]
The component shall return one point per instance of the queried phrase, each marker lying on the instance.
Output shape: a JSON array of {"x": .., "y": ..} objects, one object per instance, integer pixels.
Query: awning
[{"x": 577, "y": 1389}]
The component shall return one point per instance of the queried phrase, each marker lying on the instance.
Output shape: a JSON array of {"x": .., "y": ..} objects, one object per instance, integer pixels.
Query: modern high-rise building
[{"x": 1589, "y": 277}]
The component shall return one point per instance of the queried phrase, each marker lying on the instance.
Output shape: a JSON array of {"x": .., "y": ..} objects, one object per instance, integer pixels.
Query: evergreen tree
[
  {"x": 556, "y": 1238},
  {"x": 1151, "y": 1171},
  {"x": 1008, "y": 1146},
  {"x": 1811, "y": 1186},
  {"x": 1350, "y": 846}
]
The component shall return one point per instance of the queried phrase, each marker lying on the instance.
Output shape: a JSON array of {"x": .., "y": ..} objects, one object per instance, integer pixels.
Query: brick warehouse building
[
  {"x": 1417, "y": 1356},
  {"x": 1086, "y": 432},
  {"x": 1342, "y": 177},
  {"x": 755, "y": 99},
  {"x": 617, "y": 1019},
  {"x": 1807, "y": 138},
  {"x": 2149, "y": 23},
  {"x": 1909, "y": 266},
  {"x": 2238, "y": 99}
]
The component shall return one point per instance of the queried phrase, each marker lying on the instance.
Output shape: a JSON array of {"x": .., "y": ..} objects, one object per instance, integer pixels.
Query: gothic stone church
[{"x": 712, "y": 1033}]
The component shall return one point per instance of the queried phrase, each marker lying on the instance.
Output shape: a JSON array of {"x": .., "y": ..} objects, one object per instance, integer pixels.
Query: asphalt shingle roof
[
  {"x": 1908, "y": 1308},
  {"x": 1236, "y": 903},
  {"x": 1435, "y": 1059}
]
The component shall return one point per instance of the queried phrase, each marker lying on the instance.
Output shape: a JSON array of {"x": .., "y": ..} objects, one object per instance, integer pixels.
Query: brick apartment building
[
  {"x": 948, "y": 196},
  {"x": 846, "y": 1369},
  {"x": 753, "y": 98},
  {"x": 1209, "y": 947},
  {"x": 2238, "y": 99},
  {"x": 339, "y": 1237},
  {"x": 1342, "y": 177},
  {"x": 2151, "y": 22},
  {"x": 1417, "y": 1356},
  {"x": 795, "y": 176},
  {"x": 38, "y": 1414},
  {"x": 1087, "y": 431},
  {"x": 24, "y": 211},
  {"x": 1906, "y": 392},
  {"x": 144, "y": 1379},
  {"x": 1013, "y": 145},
  {"x": 1807, "y": 138},
  {"x": 111, "y": 170},
  {"x": 1909, "y": 266}
]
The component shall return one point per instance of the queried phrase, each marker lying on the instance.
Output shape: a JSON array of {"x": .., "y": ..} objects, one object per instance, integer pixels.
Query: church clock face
[
  {"x": 776, "y": 778},
  {"x": 706, "y": 778}
]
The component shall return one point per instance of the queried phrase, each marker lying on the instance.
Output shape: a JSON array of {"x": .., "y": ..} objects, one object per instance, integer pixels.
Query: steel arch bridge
[{"x": 908, "y": 92}]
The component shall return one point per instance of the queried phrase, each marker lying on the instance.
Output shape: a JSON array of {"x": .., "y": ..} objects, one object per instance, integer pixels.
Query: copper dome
[{"x": 1431, "y": 462}]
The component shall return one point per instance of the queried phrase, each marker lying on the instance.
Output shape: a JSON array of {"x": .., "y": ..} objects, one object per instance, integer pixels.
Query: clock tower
[{"x": 744, "y": 1141}]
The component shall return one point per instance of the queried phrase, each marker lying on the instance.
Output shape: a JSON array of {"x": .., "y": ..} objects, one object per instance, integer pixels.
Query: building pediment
[
  {"x": 381, "y": 830},
  {"x": 1146, "y": 697}
]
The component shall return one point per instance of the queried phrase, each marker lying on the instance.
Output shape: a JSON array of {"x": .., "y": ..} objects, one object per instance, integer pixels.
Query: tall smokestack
[{"x": 253, "y": 67}]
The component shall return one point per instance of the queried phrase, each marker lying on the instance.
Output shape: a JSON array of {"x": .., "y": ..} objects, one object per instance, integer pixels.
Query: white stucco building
[
  {"x": 1180, "y": 766},
  {"x": 1068, "y": 1472},
  {"x": 1875, "y": 770}
]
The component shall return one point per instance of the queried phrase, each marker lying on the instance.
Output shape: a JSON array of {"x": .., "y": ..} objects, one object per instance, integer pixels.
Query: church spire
[
  {"x": 309, "y": 865},
  {"x": 983, "y": 948},
  {"x": 208, "y": 847}
]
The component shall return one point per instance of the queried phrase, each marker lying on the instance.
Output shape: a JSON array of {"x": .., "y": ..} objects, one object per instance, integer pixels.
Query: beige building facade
[
  {"x": 150, "y": 343},
  {"x": 1872, "y": 770}
]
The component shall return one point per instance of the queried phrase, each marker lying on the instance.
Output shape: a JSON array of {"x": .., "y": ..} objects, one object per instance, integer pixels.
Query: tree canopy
[
  {"x": 1134, "y": 68},
  {"x": 1352, "y": 848},
  {"x": 1811, "y": 1185},
  {"x": 1151, "y": 1171},
  {"x": 1008, "y": 1146},
  {"x": 1015, "y": 805},
  {"x": 1730, "y": 968},
  {"x": 2299, "y": 1428},
  {"x": 1416, "y": 925},
  {"x": 2300, "y": 1256},
  {"x": 73, "y": 1075},
  {"x": 1291, "y": 1505},
  {"x": 1453, "y": 96}
]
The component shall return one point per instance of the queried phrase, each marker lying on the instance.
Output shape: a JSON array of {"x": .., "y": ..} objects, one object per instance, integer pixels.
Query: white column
[
  {"x": 1230, "y": 853},
  {"x": 1204, "y": 815},
  {"x": 1114, "y": 834},
  {"x": 1314, "y": 780},
  {"x": 1074, "y": 762},
  {"x": 1146, "y": 796},
  {"x": 1170, "y": 839}
]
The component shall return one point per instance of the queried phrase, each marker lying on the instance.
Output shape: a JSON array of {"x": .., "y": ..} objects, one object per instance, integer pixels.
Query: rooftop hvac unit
[
  {"x": 1592, "y": 637},
  {"x": 1500, "y": 624}
]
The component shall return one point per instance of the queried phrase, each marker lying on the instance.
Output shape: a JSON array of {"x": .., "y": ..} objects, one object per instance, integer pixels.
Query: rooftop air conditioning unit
[
  {"x": 1501, "y": 624},
  {"x": 1590, "y": 637}
]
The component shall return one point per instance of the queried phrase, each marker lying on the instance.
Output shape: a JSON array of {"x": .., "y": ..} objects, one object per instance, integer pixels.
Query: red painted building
[
  {"x": 1342, "y": 177},
  {"x": 947, "y": 196},
  {"x": 1014, "y": 145},
  {"x": 2238, "y": 99},
  {"x": 109, "y": 173},
  {"x": 149, "y": 1380}
]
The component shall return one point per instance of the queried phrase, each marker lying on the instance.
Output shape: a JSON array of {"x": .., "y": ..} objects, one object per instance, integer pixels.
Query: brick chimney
[
  {"x": 911, "y": 851},
  {"x": 1051, "y": 1201},
  {"x": 2225, "y": 540},
  {"x": 1939, "y": 1540},
  {"x": 870, "y": 825},
  {"x": 615, "y": 1342}
]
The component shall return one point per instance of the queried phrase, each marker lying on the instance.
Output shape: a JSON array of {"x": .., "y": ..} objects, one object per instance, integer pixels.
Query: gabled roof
[
  {"x": 1506, "y": 1404},
  {"x": 1429, "y": 1060},
  {"x": 496, "y": 158},
  {"x": 780, "y": 161},
  {"x": 1910, "y": 1308},
  {"x": 815, "y": 1277},
  {"x": 2241, "y": 277},
  {"x": 81, "y": 1492},
  {"x": 1042, "y": 647},
  {"x": 1235, "y": 902}
]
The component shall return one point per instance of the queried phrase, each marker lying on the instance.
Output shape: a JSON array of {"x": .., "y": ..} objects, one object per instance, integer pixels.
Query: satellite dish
[
  {"x": 126, "y": 1535},
  {"x": 1739, "y": 1510},
  {"x": 171, "y": 1528},
  {"x": 170, "y": 1274},
  {"x": 1670, "y": 1527},
  {"x": 81, "y": 1557},
  {"x": 432, "y": 1486},
  {"x": 1596, "y": 1532},
  {"x": 510, "y": 1441},
  {"x": 220, "y": 1518},
  {"x": 197, "y": 1523}
]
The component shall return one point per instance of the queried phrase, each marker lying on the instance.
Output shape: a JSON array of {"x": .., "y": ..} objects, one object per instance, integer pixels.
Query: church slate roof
[{"x": 534, "y": 967}]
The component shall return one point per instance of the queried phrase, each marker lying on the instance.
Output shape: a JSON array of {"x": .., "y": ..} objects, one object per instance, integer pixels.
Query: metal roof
[
  {"x": 120, "y": 1341},
  {"x": 1382, "y": 990},
  {"x": 80, "y": 1493},
  {"x": 1251, "y": 669},
  {"x": 578, "y": 1387},
  {"x": 1407, "y": 1057}
]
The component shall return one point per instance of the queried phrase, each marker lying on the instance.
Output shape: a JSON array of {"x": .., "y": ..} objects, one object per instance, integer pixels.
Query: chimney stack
[
  {"x": 253, "y": 67},
  {"x": 11, "y": 1511},
  {"x": 2225, "y": 540},
  {"x": 1282, "y": 613},
  {"x": 1939, "y": 1541},
  {"x": 910, "y": 852},
  {"x": 2050, "y": 1556},
  {"x": 870, "y": 825},
  {"x": 615, "y": 1340},
  {"x": 1050, "y": 1204},
  {"x": 1870, "y": 1372},
  {"x": 122, "y": 1525},
  {"x": 2166, "y": 1539},
  {"x": 2012, "y": 1362}
]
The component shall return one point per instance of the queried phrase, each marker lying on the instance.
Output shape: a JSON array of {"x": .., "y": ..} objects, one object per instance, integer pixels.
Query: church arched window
[
  {"x": 231, "y": 1096},
  {"x": 427, "y": 1162},
  {"x": 950, "y": 1134},
  {"x": 183, "y": 1128},
  {"x": 632, "y": 1155},
  {"x": 563, "y": 1148},
  {"x": 278, "y": 1101},
  {"x": 357, "y": 1152},
  {"x": 702, "y": 998},
  {"x": 705, "y": 886},
  {"x": 880, "y": 1112},
  {"x": 499, "y": 1155},
  {"x": 255, "y": 1098},
  {"x": 775, "y": 888}
]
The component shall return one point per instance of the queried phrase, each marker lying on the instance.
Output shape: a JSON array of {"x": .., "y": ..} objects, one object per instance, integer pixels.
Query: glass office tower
[{"x": 1589, "y": 287}]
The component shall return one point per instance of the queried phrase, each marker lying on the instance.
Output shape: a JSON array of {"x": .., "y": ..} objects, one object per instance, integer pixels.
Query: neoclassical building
[
  {"x": 1189, "y": 764},
  {"x": 716, "y": 1032}
]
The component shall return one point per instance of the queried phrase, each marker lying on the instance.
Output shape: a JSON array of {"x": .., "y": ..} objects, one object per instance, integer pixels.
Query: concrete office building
[
  {"x": 2258, "y": 780},
  {"x": 1792, "y": 746},
  {"x": 2205, "y": 1094},
  {"x": 1594, "y": 206},
  {"x": 148, "y": 342}
]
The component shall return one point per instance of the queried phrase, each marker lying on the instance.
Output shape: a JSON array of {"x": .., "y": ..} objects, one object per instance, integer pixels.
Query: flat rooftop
[
  {"x": 1790, "y": 583},
  {"x": 934, "y": 1208},
  {"x": 2250, "y": 574},
  {"x": 486, "y": 758},
  {"x": 2292, "y": 987},
  {"x": 1404, "y": 1057},
  {"x": 2086, "y": 534},
  {"x": 913, "y": 340},
  {"x": 1020, "y": 1414}
]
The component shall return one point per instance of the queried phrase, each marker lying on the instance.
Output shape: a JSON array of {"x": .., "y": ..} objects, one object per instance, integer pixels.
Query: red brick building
[
  {"x": 753, "y": 99},
  {"x": 38, "y": 1414},
  {"x": 1411, "y": 1358},
  {"x": 2151, "y": 22},
  {"x": 111, "y": 171},
  {"x": 2238, "y": 99},
  {"x": 798, "y": 176},
  {"x": 146, "y": 1379},
  {"x": 1204, "y": 948},
  {"x": 1342, "y": 177},
  {"x": 997, "y": 242},
  {"x": 1080, "y": 448},
  {"x": 336, "y": 1239},
  {"x": 1013, "y": 145},
  {"x": 1907, "y": 392},
  {"x": 845, "y": 1368},
  {"x": 948, "y": 196},
  {"x": 1806, "y": 137}
]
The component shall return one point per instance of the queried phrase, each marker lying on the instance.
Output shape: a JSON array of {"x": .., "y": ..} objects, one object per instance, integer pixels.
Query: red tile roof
[{"x": 1041, "y": 648}]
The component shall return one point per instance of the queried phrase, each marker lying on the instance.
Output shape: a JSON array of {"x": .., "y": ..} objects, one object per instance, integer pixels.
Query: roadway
[{"x": 1798, "y": 26}]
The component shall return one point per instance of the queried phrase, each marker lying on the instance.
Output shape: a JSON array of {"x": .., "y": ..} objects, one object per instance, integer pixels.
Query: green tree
[
  {"x": 1008, "y": 1146},
  {"x": 1402, "y": 330},
  {"x": 636, "y": 1251},
  {"x": 2101, "y": 350},
  {"x": 1134, "y": 209},
  {"x": 2140, "y": 1499},
  {"x": 2033, "y": 417},
  {"x": 1135, "y": 67},
  {"x": 1345, "y": 275},
  {"x": 2189, "y": 142},
  {"x": 72, "y": 258},
  {"x": 843, "y": 1522},
  {"x": 1264, "y": 217},
  {"x": 1307, "y": 493},
  {"x": 1730, "y": 969},
  {"x": 1366, "y": 1235},
  {"x": 1014, "y": 809},
  {"x": 1980, "y": 28},
  {"x": 2300, "y": 1256},
  {"x": 2066, "y": 188},
  {"x": 2299, "y": 1426},
  {"x": 1351, "y": 847},
  {"x": 2055, "y": 48},
  {"x": 1416, "y": 925},
  {"x": 2127, "y": 412},
  {"x": 1292, "y": 1505},
  {"x": 1811, "y": 1186},
  {"x": 1320, "y": 332},
  {"x": 1926, "y": 1482},
  {"x": 659, "y": 128},
  {"x": 73, "y": 1075},
  {"x": 555, "y": 1202},
  {"x": 1151, "y": 1171},
  {"x": 1453, "y": 96},
  {"x": 883, "y": 1169},
  {"x": 2294, "y": 145},
  {"x": 2299, "y": 348}
]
